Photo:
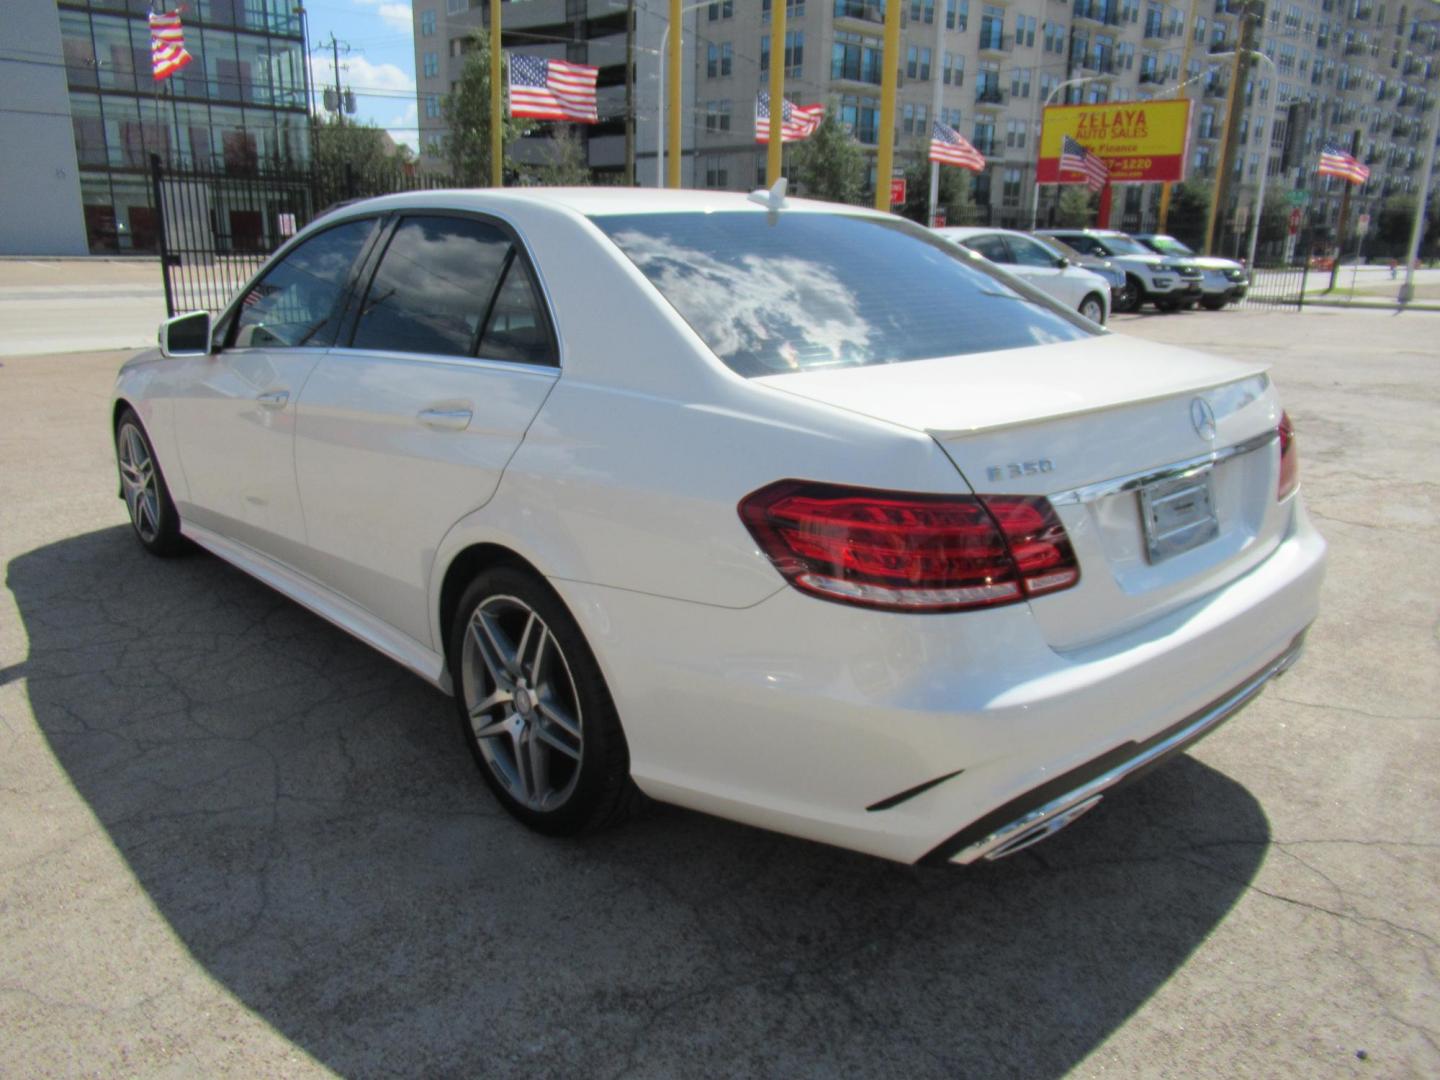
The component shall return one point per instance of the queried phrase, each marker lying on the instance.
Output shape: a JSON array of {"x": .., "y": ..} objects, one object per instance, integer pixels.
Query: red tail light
[
  {"x": 1289, "y": 458},
  {"x": 904, "y": 552}
]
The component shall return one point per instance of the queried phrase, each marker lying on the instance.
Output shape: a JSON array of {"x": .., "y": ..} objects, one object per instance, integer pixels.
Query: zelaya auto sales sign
[{"x": 1141, "y": 141}]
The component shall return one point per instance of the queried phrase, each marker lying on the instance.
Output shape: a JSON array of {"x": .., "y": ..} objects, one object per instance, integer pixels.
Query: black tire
[
  {"x": 1214, "y": 303},
  {"x": 1188, "y": 305},
  {"x": 1167, "y": 305},
  {"x": 142, "y": 485},
  {"x": 593, "y": 791},
  {"x": 1095, "y": 302},
  {"x": 1131, "y": 297}
]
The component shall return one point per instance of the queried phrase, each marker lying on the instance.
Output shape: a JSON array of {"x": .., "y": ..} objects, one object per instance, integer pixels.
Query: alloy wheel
[
  {"x": 1093, "y": 310},
  {"x": 522, "y": 703},
  {"x": 138, "y": 479}
]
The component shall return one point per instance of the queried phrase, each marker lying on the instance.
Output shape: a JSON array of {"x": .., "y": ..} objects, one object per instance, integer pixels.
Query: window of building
[
  {"x": 917, "y": 63},
  {"x": 860, "y": 116},
  {"x": 922, "y": 11},
  {"x": 794, "y": 9},
  {"x": 722, "y": 10},
  {"x": 1025, "y": 30},
  {"x": 954, "y": 70},
  {"x": 432, "y": 105},
  {"x": 427, "y": 22},
  {"x": 717, "y": 176},
  {"x": 794, "y": 53},
  {"x": 957, "y": 14},
  {"x": 1015, "y": 132},
  {"x": 455, "y": 7},
  {"x": 1020, "y": 83},
  {"x": 1010, "y": 192},
  {"x": 431, "y": 65},
  {"x": 855, "y": 58}
]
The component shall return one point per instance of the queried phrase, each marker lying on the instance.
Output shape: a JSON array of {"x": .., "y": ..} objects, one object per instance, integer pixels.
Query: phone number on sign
[{"x": 1130, "y": 165}]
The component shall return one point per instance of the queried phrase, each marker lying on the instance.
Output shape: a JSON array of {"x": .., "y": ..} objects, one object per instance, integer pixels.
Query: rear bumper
[
  {"x": 1043, "y": 812},
  {"x": 912, "y": 736}
]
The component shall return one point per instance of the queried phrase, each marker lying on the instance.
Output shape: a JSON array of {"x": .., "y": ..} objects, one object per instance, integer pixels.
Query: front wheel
[
  {"x": 1213, "y": 303},
  {"x": 147, "y": 498},
  {"x": 1093, "y": 308},
  {"x": 534, "y": 707},
  {"x": 1129, "y": 297}
]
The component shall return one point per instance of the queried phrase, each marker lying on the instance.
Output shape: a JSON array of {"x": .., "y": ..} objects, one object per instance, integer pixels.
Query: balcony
[
  {"x": 1106, "y": 14},
  {"x": 987, "y": 147},
  {"x": 990, "y": 97},
  {"x": 1357, "y": 48},
  {"x": 1151, "y": 77},
  {"x": 995, "y": 42},
  {"x": 1101, "y": 65}
]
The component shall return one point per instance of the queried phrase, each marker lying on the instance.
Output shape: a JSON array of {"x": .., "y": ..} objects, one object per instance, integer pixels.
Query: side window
[
  {"x": 434, "y": 286},
  {"x": 297, "y": 303},
  {"x": 516, "y": 329},
  {"x": 1085, "y": 245},
  {"x": 992, "y": 247},
  {"x": 1029, "y": 253}
]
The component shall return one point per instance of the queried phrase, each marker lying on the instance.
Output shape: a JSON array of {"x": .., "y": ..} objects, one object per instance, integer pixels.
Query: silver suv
[{"x": 1168, "y": 283}]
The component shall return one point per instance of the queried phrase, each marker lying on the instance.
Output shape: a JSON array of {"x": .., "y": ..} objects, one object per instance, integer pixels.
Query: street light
[{"x": 1039, "y": 128}]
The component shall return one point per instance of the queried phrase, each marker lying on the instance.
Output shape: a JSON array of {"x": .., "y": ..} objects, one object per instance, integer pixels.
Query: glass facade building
[{"x": 237, "y": 109}]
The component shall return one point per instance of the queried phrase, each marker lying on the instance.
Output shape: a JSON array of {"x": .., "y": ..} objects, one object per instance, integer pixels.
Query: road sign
[
  {"x": 939, "y": 220},
  {"x": 1294, "y": 221},
  {"x": 897, "y": 190},
  {"x": 1298, "y": 198},
  {"x": 1362, "y": 226}
]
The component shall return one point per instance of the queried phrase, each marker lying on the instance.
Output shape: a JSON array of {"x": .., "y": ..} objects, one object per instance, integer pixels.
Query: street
[{"x": 236, "y": 842}]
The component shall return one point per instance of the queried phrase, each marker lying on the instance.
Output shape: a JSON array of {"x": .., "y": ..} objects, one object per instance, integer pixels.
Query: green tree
[
  {"x": 955, "y": 196},
  {"x": 1076, "y": 209},
  {"x": 564, "y": 164},
  {"x": 829, "y": 164},
  {"x": 467, "y": 113},
  {"x": 367, "y": 150},
  {"x": 1189, "y": 205},
  {"x": 1396, "y": 217}
]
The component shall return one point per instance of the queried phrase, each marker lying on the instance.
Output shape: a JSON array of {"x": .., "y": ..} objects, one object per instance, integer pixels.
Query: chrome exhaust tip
[{"x": 1043, "y": 830}]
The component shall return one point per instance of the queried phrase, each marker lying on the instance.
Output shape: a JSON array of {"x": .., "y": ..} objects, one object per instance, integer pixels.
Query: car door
[
  {"x": 1038, "y": 265},
  {"x": 235, "y": 409},
  {"x": 406, "y": 426}
]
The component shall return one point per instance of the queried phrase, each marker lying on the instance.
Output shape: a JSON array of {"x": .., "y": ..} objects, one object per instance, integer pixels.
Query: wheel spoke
[
  {"x": 498, "y": 696},
  {"x": 550, "y": 739},
  {"x": 492, "y": 653},
  {"x": 532, "y": 670},
  {"x": 560, "y": 718},
  {"x": 539, "y": 764},
  {"x": 504, "y": 726}
]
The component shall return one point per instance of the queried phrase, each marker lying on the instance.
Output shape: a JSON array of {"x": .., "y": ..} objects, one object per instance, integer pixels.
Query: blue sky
[{"x": 380, "y": 66}]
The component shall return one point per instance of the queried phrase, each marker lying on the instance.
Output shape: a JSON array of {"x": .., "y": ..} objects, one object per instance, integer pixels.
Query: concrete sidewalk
[{"x": 79, "y": 305}]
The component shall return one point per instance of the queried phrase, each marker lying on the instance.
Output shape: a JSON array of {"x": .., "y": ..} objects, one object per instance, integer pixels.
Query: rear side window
[
  {"x": 297, "y": 302},
  {"x": 1027, "y": 252},
  {"x": 807, "y": 290},
  {"x": 992, "y": 247},
  {"x": 452, "y": 286}
]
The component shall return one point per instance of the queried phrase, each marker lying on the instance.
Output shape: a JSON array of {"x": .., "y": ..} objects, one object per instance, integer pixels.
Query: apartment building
[
  {"x": 581, "y": 31},
  {"x": 1338, "y": 68}
]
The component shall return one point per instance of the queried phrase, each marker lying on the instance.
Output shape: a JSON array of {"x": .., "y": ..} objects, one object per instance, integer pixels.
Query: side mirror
[
  {"x": 1061, "y": 262},
  {"x": 186, "y": 335}
]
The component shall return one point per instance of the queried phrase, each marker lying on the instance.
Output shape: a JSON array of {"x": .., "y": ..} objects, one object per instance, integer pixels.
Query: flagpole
[
  {"x": 497, "y": 143},
  {"x": 937, "y": 70},
  {"x": 774, "y": 152},
  {"x": 889, "y": 76}
]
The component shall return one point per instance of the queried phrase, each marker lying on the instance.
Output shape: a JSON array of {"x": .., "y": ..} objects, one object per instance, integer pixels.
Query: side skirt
[{"x": 329, "y": 605}]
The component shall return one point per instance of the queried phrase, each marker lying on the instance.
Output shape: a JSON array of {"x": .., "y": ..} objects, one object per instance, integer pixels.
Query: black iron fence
[{"x": 217, "y": 228}]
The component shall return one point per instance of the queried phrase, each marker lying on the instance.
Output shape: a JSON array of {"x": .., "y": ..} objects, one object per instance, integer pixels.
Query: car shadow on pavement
[{"x": 305, "y": 816}]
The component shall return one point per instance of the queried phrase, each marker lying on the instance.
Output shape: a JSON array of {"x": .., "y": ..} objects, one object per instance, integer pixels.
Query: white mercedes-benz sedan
[{"x": 790, "y": 512}]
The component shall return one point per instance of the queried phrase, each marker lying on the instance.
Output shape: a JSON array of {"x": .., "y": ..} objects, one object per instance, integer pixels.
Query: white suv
[{"x": 1170, "y": 284}]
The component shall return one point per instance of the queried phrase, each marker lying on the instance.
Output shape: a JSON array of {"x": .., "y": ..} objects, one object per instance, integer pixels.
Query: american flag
[
  {"x": 1336, "y": 162},
  {"x": 949, "y": 147},
  {"x": 167, "y": 45},
  {"x": 552, "y": 89},
  {"x": 1074, "y": 158},
  {"x": 796, "y": 121}
]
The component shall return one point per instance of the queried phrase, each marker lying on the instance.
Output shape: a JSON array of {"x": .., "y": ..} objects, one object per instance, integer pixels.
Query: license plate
[{"x": 1177, "y": 514}]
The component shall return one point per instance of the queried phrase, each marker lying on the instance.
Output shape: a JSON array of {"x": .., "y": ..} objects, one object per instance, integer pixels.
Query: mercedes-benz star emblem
[{"x": 1203, "y": 418}]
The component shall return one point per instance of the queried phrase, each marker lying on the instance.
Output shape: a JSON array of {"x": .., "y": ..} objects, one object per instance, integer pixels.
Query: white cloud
[
  {"x": 397, "y": 16},
  {"x": 368, "y": 80}
]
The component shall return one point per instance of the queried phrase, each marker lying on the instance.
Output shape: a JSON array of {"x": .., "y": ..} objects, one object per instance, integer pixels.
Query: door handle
[
  {"x": 275, "y": 399},
  {"x": 445, "y": 419}
]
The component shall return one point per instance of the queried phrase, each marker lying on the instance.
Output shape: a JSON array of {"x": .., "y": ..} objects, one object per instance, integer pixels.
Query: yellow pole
[
  {"x": 1222, "y": 182},
  {"x": 777, "y": 92},
  {"x": 889, "y": 72},
  {"x": 497, "y": 92},
  {"x": 1184, "y": 74},
  {"x": 672, "y": 171}
]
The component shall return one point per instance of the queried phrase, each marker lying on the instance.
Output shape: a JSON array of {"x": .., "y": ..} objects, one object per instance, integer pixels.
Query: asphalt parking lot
[{"x": 233, "y": 841}]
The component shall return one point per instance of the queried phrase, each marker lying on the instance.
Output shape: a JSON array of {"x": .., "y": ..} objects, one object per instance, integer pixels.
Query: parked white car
[
  {"x": 1040, "y": 265},
  {"x": 788, "y": 512}
]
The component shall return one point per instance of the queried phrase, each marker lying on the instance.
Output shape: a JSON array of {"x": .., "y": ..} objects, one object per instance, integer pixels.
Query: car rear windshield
[{"x": 774, "y": 293}]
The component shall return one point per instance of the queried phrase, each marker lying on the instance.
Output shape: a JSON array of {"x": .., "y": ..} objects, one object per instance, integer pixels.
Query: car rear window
[{"x": 799, "y": 291}]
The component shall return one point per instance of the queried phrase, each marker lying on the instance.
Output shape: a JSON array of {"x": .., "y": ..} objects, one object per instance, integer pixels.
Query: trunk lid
[{"x": 1085, "y": 424}]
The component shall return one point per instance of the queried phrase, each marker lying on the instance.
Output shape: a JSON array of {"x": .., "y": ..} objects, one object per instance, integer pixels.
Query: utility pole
[
  {"x": 1184, "y": 71},
  {"x": 774, "y": 152},
  {"x": 497, "y": 72},
  {"x": 672, "y": 171},
  {"x": 630, "y": 93},
  {"x": 1249, "y": 20}
]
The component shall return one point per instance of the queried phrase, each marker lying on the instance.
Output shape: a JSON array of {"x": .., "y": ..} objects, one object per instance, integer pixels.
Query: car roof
[
  {"x": 963, "y": 232},
  {"x": 594, "y": 201},
  {"x": 1082, "y": 232}
]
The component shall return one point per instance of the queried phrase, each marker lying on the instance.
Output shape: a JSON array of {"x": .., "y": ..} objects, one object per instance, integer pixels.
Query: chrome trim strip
[
  {"x": 1134, "y": 481},
  {"x": 1013, "y": 837}
]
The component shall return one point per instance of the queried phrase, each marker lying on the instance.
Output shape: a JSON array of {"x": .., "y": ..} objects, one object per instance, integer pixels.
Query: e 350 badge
[{"x": 1015, "y": 470}]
